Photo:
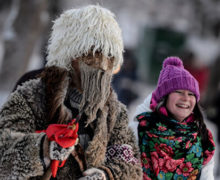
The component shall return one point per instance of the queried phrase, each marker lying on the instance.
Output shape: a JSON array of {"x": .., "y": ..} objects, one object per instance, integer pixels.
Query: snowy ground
[{"x": 143, "y": 90}]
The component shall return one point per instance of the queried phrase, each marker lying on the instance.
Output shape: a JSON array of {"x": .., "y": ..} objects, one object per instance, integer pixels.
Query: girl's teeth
[{"x": 183, "y": 106}]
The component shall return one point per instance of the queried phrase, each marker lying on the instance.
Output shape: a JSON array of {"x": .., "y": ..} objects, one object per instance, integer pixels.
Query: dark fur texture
[
  {"x": 57, "y": 82},
  {"x": 40, "y": 102}
]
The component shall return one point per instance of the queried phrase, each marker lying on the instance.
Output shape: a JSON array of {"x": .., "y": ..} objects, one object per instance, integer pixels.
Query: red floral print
[
  {"x": 185, "y": 169},
  {"x": 162, "y": 128},
  {"x": 164, "y": 150}
]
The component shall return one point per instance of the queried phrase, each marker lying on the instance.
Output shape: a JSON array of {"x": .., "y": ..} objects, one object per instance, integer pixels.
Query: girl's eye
[
  {"x": 191, "y": 94},
  {"x": 178, "y": 92}
]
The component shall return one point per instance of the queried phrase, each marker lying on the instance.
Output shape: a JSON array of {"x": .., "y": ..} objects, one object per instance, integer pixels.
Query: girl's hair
[
  {"x": 198, "y": 115},
  {"x": 203, "y": 132}
]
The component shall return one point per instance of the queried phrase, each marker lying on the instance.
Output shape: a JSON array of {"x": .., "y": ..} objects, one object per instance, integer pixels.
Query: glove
[
  {"x": 63, "y": 138},
  {"x": 93, "y": 174},
  {"x": 59, "y": 153}
]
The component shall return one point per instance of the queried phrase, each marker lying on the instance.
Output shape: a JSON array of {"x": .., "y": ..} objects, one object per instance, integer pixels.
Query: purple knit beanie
[{"x": 172, "y": 77}]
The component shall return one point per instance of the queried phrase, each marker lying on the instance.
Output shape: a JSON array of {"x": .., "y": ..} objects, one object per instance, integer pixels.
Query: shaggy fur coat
[{"x": 21, "y": 149}]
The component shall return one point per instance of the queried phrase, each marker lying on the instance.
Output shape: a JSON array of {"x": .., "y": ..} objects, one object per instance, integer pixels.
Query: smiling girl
[{"x": 173, "y": 138}]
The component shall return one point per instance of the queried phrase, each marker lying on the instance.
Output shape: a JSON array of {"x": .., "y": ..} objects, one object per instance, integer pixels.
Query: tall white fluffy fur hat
[{"x": 77, "y": 31}]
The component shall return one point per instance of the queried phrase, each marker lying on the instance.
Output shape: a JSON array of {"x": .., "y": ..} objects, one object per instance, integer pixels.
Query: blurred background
[{"x": 152, "y": 30}]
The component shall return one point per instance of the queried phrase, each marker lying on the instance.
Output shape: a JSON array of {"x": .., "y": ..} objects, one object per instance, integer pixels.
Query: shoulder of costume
[{"x": 29, "y": 86}]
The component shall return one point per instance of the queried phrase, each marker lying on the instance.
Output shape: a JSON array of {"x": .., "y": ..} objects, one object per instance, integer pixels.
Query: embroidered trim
[{"x": 122, "y": 152}]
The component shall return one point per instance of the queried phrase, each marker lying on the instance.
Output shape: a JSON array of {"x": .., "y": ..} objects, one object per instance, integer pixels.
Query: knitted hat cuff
[{"x": 177, "y": 83}]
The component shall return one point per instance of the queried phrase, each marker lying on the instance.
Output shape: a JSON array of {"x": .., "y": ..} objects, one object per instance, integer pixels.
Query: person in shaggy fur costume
[{"x": 84, "y": 51}]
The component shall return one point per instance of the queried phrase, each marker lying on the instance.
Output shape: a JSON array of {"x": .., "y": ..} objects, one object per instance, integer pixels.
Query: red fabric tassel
[{"x": 64, "y": 135}]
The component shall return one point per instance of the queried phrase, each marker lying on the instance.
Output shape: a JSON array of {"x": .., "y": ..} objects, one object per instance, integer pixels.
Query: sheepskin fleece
[
  {"x": 77, "y": 31},
  {"x": 20, "y": 146}
]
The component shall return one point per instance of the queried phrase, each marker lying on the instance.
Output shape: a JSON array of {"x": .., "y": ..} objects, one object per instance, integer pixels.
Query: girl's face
[{"x": 180, "y": 104}]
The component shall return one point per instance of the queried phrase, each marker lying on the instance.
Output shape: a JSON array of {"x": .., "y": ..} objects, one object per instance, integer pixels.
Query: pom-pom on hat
[
  {"x": 78, "y": 31},
  {"x": 173, "y": 77}
]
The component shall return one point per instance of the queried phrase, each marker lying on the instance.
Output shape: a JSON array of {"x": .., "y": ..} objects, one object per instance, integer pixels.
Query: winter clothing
[
  {"x": 59, "y": 153},
  {"x": 21, "y": 148},
  {"x": 207, "y": 170},
  {"x": 91, "y": 27},
  {"x": 144, "y": 110},
  {"x": 93, "y": 173},
  {"x": 33, "y": 74},
  {"x": 172, "y": 77}
]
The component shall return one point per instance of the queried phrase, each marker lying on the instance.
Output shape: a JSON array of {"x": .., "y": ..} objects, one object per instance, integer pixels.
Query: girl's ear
[{"x": 117, "y": 69}]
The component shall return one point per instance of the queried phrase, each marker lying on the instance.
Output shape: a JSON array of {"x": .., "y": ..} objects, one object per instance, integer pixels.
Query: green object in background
[{"x": 157, "y": 44}]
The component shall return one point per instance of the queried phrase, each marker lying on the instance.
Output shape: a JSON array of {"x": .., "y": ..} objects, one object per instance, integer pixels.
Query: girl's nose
[{"x": 185, "y": 96}]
